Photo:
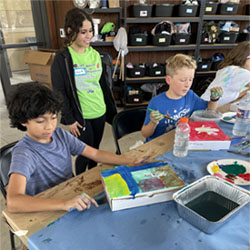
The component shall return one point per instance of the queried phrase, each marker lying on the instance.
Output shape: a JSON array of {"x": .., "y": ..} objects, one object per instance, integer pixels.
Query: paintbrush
[
  {"x": 238, "y": 152},
  {"x": 163, "y": 115}
]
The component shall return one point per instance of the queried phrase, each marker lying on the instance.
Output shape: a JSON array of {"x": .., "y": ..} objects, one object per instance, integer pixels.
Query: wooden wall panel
[{"x": 57, "y": 10}]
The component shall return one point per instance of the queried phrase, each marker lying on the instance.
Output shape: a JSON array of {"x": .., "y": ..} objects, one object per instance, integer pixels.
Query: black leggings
[{"x": 92, "y": 136}]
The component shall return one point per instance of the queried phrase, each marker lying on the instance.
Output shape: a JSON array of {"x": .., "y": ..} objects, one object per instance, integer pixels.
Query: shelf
[
  {"x": 145, "y": 79},
  {"x": 101, "y": 43},
  {"x": 227, "y": 17},
  {"x": 218, "y": 46},
  {"x": 162, "y": 48},
  {"x": 211, "y": 72},
  {"x": 145, "y": 103},
  {"x": 159, "y": 19},
  {"x": 103, "y": 10},
  {"x": 197, "y": 49}
]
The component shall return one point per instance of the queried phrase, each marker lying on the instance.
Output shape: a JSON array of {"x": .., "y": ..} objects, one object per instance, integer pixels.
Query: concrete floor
[{"x": 8, "y": 135}]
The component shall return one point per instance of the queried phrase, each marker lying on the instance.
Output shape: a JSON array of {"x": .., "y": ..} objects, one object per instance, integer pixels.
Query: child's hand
[
  {"x": 80, "y": 202},
  {"x": 74, "y": 129},
  {"x": 216, "y": 93},
  {"x": 156, "y": 116},
  {"x": 145, "y": 159}
]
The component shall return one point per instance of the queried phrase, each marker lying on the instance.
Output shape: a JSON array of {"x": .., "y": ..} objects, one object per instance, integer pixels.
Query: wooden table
[{"x": 26, "y": 224}]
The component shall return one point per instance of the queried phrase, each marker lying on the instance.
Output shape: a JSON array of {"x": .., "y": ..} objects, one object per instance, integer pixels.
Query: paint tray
[{"x": 217, "y": 195}]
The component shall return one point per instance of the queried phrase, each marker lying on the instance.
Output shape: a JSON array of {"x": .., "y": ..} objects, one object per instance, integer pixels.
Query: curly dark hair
[
  {"x": 31, "y": 100},
  {"x": 73, "y": 22}
]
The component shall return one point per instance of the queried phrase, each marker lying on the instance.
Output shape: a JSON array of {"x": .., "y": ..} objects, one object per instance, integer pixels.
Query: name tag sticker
[
  {"x": 208, "y": 9},
  {"x": 189, "y": 11},
  {"x": 143, "y": 13},
  {"x": 138, "y": 39},
  {"x": 79, "y": 72},
  {"x": 162, "y": 40},
  {"x": 230, "y": 8}
]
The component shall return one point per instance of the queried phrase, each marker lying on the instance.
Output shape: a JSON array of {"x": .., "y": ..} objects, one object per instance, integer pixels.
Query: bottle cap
[{"x": 184, "y": 120}]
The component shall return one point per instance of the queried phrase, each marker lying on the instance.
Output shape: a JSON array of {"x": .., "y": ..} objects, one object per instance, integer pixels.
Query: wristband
[{"x": 215, "y": 100}]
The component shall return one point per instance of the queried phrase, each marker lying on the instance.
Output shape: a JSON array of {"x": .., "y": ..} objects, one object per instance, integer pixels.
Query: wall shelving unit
[{"x": 195, "y": 48}]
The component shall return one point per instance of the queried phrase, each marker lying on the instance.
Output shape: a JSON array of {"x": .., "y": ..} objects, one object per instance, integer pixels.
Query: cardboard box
[
  {"x": 207, "y": 135},
  {"x": 114, "y": 3},
  {"x": 39, "y": 62},
  {"x": 140, "y": 185}
]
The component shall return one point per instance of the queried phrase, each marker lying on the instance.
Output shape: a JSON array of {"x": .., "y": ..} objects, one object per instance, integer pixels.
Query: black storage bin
[
  {"x": 136, "y": 72},
  {"x": 137, "y": 39},
  {"x": 181, "y": 38},
  {"x": 142, "y": 10},
  {"x": 158, "y": 70},
  {"x": 248, "y": 9},
  {"x": 163, "y": 10},
  {"x": 243, "y": 37},
  {"x": 147, "y": 96},
  {"x": 161, "y": 39},
  {"x": 215, "y": 65},
  {"x": 204, "y": 38},
  {"x": 228, "y": 8},
  {"x": 187, "y": 10},
  {"x": 228, "y": 37},
  {"x": 204, "y": 65},
  {"x": 210, "y": 8},
  {"x": 134, "y": 96}
]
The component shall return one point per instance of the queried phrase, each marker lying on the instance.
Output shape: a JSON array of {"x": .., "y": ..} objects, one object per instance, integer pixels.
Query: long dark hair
[
  {"x": 237, "y": 56},
  {"x": 73, "y": 20}
]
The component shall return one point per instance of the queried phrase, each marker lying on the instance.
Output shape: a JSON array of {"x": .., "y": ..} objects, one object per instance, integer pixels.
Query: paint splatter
[
  {"x": 231, "y": 177},
  {"x": 215, "y": 168},
  {"x": 150, "y": 184},
  {"x": 233, "y": 169},
  {"x": 245, "y": 177},
  {"x": 218, "y": 175},
  {"x": 47, "y": 240},
  {"x": 229, "y": 180},
  {"x": 228, "y": 118},
  {"x": 51, "y": 224}
]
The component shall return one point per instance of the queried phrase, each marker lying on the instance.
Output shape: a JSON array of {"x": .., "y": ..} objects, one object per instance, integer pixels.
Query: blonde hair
[
  {"x": 179, "y": 61},
  {"x": 237, "y": 56}
]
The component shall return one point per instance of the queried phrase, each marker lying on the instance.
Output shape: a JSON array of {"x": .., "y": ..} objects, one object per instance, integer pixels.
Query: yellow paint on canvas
[
  {"x": 215, "y": 169},
  {"x": 116, "y": 186}
]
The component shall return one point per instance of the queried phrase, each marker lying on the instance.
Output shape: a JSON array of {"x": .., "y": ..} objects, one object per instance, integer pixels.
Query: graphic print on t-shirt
[{"x": 86, "y": 76}]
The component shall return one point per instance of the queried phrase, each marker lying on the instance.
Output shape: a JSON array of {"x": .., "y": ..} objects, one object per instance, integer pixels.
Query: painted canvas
[
  {"x": 139, "y": 185},
  {"x": 207, "y": 135}
]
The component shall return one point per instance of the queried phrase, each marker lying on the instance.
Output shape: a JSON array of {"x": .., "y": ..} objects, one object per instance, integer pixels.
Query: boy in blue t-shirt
[
  {"x": 178, "y": 101},
  {"x": 42, "y": 158}
]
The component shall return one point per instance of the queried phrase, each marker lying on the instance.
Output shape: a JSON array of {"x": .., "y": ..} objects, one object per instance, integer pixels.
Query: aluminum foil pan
[{"x": 210, "y": 184}]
